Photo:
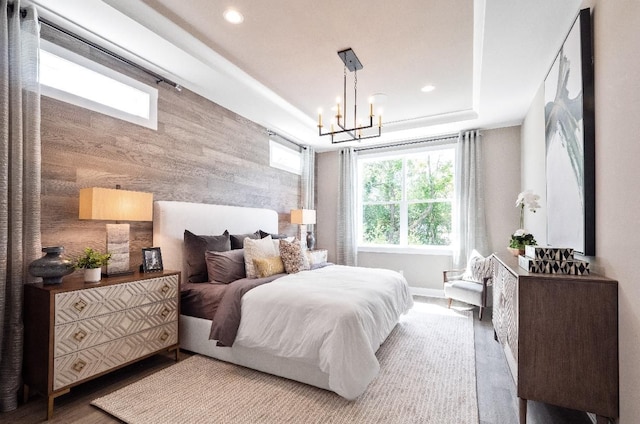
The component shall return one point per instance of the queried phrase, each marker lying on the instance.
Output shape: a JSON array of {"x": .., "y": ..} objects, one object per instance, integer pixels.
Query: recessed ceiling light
[
  {"x": 428, "y": 88},
  {"x": 233, "y": 16}
]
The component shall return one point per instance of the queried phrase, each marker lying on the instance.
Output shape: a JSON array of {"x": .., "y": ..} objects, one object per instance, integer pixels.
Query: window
[
  {"x": 406, "y": 199},
  {"x": 74, "y": 79},
  {"x": 284, "y": 158}
]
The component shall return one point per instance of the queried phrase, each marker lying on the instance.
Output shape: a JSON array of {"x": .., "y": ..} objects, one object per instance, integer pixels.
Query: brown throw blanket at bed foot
[{"x": 226, "y": 321}]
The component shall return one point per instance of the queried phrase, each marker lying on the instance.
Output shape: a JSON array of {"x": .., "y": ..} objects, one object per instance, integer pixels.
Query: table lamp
[
  {"x": 304, "y": 217},
  {"x": 107, "y": 204}
]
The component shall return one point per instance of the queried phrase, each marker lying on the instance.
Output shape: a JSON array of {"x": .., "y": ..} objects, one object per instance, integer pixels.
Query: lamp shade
[
  {"x": 303, "y": 216},
  {"x": 115, "y": 205}
]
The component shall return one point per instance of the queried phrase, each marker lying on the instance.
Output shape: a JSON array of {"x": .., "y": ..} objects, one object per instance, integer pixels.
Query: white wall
[
  {"x": 617, "y": 66},
  {"x": 533, "y": 166},
  {"x": 501, "y": 158},
  {"x": 617, "y": 112}
]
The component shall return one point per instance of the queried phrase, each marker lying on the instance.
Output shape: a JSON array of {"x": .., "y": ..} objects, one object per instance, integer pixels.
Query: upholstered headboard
[{"x": 170, "y": 219}]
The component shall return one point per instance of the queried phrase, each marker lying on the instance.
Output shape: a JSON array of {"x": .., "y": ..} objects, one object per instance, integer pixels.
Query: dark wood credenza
[{"x": 560, "y": 337}]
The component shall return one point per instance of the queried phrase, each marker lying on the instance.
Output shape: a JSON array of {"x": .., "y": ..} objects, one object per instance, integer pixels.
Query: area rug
[{"x": 427, "y": 375}]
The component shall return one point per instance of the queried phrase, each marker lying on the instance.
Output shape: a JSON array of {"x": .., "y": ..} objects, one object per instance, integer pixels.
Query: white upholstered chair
[{"x": 470, "y": 285}]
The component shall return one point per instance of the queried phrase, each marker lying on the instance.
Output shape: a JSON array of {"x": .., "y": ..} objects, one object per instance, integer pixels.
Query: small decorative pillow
[
  {"x": 256, "y": 249},
  {"x": 263, "y": 234},
  {"x": 266, "y": 267},
  {"x": 481, "y": 269},
  {"x": 475, "y": 267},
  {"x": 225, "y": 267},
  {"x": 292, "y": 256},
  {"x": 237, "y": 240},
  {"x": 276, "y": 244}
]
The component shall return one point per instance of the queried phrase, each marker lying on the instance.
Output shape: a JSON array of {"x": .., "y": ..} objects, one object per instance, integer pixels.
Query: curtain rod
[
  {"x": 275, "y": 134},
  {"x": 409, "y": 143},
  {"x": 157, "y": 77}
]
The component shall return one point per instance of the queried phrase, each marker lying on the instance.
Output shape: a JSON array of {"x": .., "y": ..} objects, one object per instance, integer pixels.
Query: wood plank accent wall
[{"x": 201, "y": 152}]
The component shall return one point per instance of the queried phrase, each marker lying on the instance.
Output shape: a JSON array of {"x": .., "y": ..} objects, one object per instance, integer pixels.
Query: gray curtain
[
  {"x": 308, "y": 180},
  {"x": 346, "y": 237},
  {"x": 19, "y": 182},
  {"x": 470, "y": 223}
]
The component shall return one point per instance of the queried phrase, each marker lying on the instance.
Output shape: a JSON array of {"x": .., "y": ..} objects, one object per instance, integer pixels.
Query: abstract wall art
[{"x": 570, "y": 142}]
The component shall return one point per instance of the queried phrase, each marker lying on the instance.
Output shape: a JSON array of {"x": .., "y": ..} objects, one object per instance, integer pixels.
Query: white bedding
[
  {"x": 351, "y": 311},
  {"x": 169, "y": 222}
]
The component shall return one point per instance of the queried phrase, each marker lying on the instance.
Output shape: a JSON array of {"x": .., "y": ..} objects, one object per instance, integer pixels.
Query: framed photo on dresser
[{"x": 151, "y": 259}]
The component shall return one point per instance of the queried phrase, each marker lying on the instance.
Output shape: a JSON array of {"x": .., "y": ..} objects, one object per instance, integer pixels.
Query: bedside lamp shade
[
  {"x": 116, "y": 205},
  {"x": 304, "y": 217}
]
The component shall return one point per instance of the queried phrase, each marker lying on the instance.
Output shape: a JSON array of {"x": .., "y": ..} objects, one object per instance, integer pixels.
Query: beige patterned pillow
[
  {"x": 292, "y": 256},
  {"x": 256, "y": 249},
  {"x": 266, "y": 267}
]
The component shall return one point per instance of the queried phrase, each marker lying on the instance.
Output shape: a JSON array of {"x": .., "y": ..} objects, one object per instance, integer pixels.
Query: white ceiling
[{"x": 486, "y": 59}]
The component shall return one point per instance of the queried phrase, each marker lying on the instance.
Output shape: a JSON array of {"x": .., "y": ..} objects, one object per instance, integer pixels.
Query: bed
[{"x": 338, "y": 355}]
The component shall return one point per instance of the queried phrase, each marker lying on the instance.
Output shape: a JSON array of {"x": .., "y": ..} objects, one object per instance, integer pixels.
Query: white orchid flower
[{"x": 529, "y": 199}]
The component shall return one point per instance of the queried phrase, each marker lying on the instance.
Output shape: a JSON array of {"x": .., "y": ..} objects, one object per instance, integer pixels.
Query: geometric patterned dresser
[
  {"x": 76, "y": 331},
  {"x": 559, "y": 334}
]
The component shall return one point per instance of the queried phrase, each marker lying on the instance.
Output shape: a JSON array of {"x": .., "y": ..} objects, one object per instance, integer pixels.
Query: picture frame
[
  {"x": 151, "y": 259},
  {"x": 570, "y": 142}
]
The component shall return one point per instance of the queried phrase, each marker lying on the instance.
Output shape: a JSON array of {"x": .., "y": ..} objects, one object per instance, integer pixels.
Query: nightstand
[
  {"x": 317, "y": 256},
  {"x": 77, "y": 331}
]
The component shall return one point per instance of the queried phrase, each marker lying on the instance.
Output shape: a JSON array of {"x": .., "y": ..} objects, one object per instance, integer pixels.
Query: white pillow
[
  {"x": 276, "y": 244},
  {"x": 469, "y": 274},
  {"x": 257, "y": 249}
]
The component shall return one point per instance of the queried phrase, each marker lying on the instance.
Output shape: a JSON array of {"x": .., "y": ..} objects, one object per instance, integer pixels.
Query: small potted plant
[
  {"x": 92, "y": 262},
  {"x": 519, "y": 240},
  {"x": 522, "y": 237}
]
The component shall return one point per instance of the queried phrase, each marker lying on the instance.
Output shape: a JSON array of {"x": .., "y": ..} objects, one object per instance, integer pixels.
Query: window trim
[
  {"x": 150, "y": 122},
  {"x": 274, "y": 146},
  {"x": 402, "y": 248}
]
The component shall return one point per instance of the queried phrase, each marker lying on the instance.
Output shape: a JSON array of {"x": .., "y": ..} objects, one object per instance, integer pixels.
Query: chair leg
[
  {"x": 480, "y": 313},
  {"x": 449, "y": 305}
]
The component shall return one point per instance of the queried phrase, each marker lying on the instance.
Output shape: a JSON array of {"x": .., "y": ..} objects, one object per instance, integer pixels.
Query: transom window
[
  {"x": 75, "y": 79},
  {"x": 406, "y": 199},
  {"x": 285, "y": 158}
]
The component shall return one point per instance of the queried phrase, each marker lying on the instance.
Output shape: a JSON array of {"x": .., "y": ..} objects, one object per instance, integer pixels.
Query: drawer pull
[
  {"x": 165, "y": 288},
  {"x": 80, "y": 305},
  {"x": 79, "y": 365},
  {"x": 165, "y": 312},
  {"x": 164, "y": 336},
  {"x": 80, "y": 335}
]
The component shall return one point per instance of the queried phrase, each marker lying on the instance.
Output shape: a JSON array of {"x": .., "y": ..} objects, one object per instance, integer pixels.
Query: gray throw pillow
[
  {"x": 263, "y": 234},
  {"x": 195, "y": 247},
  {"x": 237, "y": 240},
  {"x": 225, "y": 267}
]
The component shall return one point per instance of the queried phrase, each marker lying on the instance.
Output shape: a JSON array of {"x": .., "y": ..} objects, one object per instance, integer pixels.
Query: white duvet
[{"x": 335, "y": 317}]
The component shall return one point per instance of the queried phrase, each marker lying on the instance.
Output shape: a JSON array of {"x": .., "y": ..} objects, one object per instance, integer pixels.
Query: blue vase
[{"x": 51, "y": 267}]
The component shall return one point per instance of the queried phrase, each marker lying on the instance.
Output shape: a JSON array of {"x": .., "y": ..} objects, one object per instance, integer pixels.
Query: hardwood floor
[
  {"x": 497, "y": 402},
  {"x": 497, "y": 399}
]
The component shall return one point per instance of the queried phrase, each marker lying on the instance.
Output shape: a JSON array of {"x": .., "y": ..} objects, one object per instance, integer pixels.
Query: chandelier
[{"x": 339, "y": 130}]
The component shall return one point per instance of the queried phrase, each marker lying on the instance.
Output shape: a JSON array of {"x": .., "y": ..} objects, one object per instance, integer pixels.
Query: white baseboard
[{"x": 422, "y": 291}]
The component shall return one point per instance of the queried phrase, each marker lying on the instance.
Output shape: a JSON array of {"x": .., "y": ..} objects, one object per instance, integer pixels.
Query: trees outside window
[{"x": 406, "y": 199}]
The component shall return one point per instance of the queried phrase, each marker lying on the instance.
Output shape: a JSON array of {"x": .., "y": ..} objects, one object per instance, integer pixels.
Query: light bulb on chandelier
[{"x": 358, "y": 131}]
